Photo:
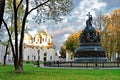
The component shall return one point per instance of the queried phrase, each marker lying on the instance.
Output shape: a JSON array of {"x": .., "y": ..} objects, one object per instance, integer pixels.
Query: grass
[{"x": 32, "y": 73}]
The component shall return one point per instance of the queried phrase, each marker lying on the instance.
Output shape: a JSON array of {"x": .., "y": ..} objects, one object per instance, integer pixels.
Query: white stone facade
[{"x": 32, "y": 54}]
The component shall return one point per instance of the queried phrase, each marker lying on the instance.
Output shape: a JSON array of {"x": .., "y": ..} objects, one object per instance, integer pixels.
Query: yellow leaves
[
  {"x": 111, "y": 29},
  {"x": 117, "y": 11},
  {"x": 113, "y": 23},
  {"x": 97, "y": 30},
  {"x": 75, "y": 35},
  {"x": 18, "y": 1},
  {"x": 72, "y": 42},
  {"x": 9, "y": 2},
  {"x": 64, "y": 47}
]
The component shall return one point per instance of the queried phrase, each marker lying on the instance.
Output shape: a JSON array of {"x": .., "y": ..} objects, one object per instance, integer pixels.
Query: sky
[{"x": 76, "y": 20}]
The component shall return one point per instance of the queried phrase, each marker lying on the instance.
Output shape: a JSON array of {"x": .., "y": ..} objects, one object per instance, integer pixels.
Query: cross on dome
[{"x": 89, "y": 15}]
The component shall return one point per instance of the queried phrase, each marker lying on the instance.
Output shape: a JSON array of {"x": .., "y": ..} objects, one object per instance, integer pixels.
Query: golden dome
[
  {"x": 28, "y": 36},
  {"x": 37, "y": 36},
  {"x": 49, "y": 36},
  {"x": 43, "y": 32}
]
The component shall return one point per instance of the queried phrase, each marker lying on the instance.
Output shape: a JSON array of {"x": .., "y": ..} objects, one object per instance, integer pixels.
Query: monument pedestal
[
  {"x": 90, "y": 52},
  {"x": 88, "y": 59}
]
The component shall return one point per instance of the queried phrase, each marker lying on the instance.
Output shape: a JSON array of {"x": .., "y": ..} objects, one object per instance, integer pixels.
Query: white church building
[{"x": 38, "y": 47}]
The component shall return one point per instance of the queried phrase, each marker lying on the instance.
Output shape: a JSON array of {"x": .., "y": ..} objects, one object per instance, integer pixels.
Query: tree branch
[
  {"x": 38, "y": 6},
  {"x": 9, "y": 37},
  {"x": 19, "y": 4}
]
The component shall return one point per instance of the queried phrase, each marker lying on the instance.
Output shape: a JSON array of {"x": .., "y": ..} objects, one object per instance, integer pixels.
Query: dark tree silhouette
[{"x": 2, "y": 5}]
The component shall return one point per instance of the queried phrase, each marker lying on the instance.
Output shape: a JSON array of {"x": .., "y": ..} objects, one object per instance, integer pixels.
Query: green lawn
[{"x": 32, "y": 73}]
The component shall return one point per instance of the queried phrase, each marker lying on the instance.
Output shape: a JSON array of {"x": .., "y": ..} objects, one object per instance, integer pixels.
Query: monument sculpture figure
[
  {"x": 89, "y": 21},
  {"x": 90, "y": 48}
]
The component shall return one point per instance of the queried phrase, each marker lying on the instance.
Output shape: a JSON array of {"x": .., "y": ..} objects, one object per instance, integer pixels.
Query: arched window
[
  {"x": 34, "y": 57},
  {"x": 50, "y": 57},
  {"x": 43, "y": 39},
  {"x": 49, "y": 40},
  {"x": 40, "y": 41},
  {"x": 34, "y": 39},
  {"x": 28, "y": 58},
  {"x": 45, "y": 54},
  {"x": 37, "y": 40}
]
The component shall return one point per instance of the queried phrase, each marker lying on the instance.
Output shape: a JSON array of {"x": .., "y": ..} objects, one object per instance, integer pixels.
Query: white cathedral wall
[
  {"x": 50, "y": 54},
  {"x": 44, "y": 53},
  {"x": 29, "y": 53}
]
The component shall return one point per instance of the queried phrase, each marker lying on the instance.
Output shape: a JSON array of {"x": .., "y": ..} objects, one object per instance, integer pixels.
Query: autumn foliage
[{"x": 111, "y": 35}]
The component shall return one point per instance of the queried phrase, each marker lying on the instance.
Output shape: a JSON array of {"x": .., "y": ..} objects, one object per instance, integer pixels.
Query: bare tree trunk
[
  {"x": 16, "y": 64},
  {"x": 16, "y": 57},
  {"x": 22, "y": 36},
  {"x": 18, "y": 68},
  {"x": 5, "y": 59},
  {"x": 5, "y": 55},
  {"x": 2, "y": 6}
]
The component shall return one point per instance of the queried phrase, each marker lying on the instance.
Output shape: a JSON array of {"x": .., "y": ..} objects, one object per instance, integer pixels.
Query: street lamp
[{"x": 38, "y": 57}]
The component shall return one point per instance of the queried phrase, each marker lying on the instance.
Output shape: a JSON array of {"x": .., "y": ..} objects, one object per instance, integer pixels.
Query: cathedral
[{"x": 39, "y": 47}]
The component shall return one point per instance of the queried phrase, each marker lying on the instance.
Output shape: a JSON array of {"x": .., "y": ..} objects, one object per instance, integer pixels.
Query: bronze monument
[{"x": 90, "y": 49}]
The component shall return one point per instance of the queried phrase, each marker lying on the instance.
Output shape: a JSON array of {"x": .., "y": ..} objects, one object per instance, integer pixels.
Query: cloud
[
  {"x": 93, "y": 6},
  {"x": 76, "y": 20},
  {"x": 111, "y": 5}
]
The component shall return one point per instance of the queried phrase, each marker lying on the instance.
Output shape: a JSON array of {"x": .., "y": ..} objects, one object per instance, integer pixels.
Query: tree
[
  {"x": 4, "y": 43},
  {"x": 101, "y": 24},
  {"x": 115, "y": 23},
  {"x": 9, "y": 20},
  {"x": 6, "y": 51},
  {"x": 109, "y": 27},
  {"x": 47, "y": 9},
  {"x": 2, "y": 6},
  {"x": 71, "y": 44},
  {"x": 63, "y": 51}
]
